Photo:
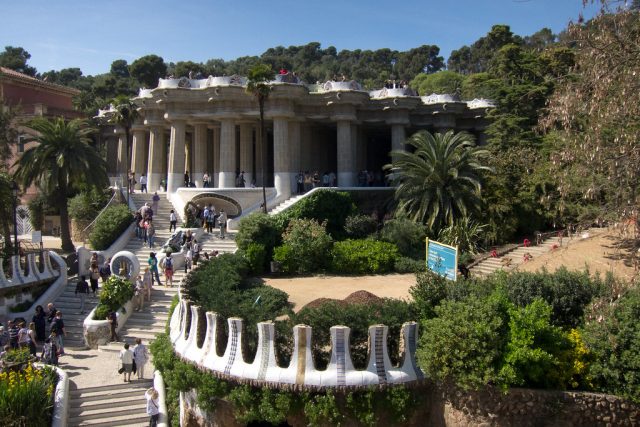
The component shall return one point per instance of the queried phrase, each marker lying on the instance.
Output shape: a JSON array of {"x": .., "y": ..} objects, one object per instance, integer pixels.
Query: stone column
[
  {"x": 259, "y": 153},
  {"x": 154, "y": 167},
  {"x": 188, "y": 143},
  {"x": 398, "y": 137},
  {"x": 246, "y": 152},
  {"x": 139, "y": 157},
  {"x": 175, "y": 177},
  {"x": 215, "y": 182},
  {"x": 281, "y": 157},
  {"x": 294, "y": 150},
  {"x": 199, "y": 153},
  {"x": 346, "y": 155},
  {"x": 227, "y": 174},
  {"x": 122, "y": 159}
]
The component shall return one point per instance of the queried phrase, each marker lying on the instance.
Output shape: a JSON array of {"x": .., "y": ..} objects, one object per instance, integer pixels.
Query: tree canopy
[{"x": 16, "y": 59}]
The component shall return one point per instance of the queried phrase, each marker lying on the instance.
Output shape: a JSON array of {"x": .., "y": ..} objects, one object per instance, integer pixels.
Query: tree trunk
[
  {"x": 65, "y": 231},
  {"x": 264, "y": 154}
]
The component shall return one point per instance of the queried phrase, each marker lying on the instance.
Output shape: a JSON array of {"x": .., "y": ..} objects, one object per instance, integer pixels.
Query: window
[{"x": 21, "y": 142}]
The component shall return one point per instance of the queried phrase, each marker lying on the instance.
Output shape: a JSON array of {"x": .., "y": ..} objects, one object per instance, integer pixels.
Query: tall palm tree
[
  {"x": 61, "y": 161},
  {"x": 258, "y": 80},
  {"x": 125, "y": 114},
  {"x": 439, "y": 181}
]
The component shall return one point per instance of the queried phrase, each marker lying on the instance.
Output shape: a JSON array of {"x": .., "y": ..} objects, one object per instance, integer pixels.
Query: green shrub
[
  {"x": 308, "y": 246},
  {"x": 256, "y": 256},
  {"x": 363, "y": 257},
  {"x": 109, "y": 226},
  {"x": 613, "y": 338},
  {"x": 115, "y": 293},
  {"x": 464, "y": 233},
  {"x": 26, "y": 397},
  {"x": 360, "y": 226},
  {"x": 407, "y": 235},
  {"x": 85, "y": 206},
  {"x": 260, "y": 229},
  {"x": 409, "y": 265},
  {"x": 330, "y": 206}
]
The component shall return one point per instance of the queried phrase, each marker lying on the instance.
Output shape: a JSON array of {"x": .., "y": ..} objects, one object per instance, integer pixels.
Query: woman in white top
[
  {"x": 153, "y": 406},
  {"x": 126, "y": 356},
  {"x": 141, "y": 356},
  {"x": 148, "y": 283}
]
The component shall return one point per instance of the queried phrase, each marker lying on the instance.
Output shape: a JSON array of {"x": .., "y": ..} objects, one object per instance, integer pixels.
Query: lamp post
[{"x": 15, "y": 189}]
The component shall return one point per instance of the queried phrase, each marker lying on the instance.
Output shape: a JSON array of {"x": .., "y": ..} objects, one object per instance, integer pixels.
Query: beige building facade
[{"x": 212, "y": 125}]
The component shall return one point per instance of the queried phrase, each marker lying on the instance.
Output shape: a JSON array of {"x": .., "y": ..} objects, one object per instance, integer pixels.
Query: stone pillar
[
  {"x": 246, "y": 152},
  {"x": 294, "y": 150},
  {"x": 398, "y": 137},
  {"x": 155, "y": 169},
  {"x": 199, "y": 153},
  {"x": 112, "y": 155},
  {"x": 188, "y": 143},
  {"x": 346, "y": 155},
  {"x": 122, "y": 159},
  {"x": 175, "y": 177},
  {"x": 227, "y": 175},
  {"x": 281, "y": 157},
  {"x": 139, "y": 157},
  {"x": 215, "y": 182},
  {"x": 259, "y": 154}
]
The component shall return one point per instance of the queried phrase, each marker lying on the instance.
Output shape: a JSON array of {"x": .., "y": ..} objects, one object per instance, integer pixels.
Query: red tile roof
[{"x": 34, "y": 81}]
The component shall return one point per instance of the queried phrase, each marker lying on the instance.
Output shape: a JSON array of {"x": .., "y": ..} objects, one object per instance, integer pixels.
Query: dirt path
[{"x": 303, "y": 290}]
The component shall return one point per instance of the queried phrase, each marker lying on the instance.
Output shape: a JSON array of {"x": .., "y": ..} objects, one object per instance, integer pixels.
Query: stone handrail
[
  {"x": 61, "y": 400},
  {"x": 98, "y": 332},
  {"x": 186, "y": 321},
  {"x": 158, "y": 384}
]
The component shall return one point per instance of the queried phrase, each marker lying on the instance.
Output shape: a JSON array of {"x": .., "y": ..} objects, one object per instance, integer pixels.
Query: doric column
[
  {"x": 122, "y": 157},
  {"x": 294, "y": 149},
  {"x": 281, "y": 157},
  {"x": 398, "y": 137},
  {"x": 215, "y": 181},
  {"x": 346, "y": 154},
  {"x": 199, "y": 153},
  {"x": 259, "y": 158},
  {"x": 175, "y": 178},
  {"x": 139, "y": 155},
  {"x": 154, "y": 166},
  {"x": 188, "y": 143},
  {"x": 246, "y": 152},
  {"x": 227, "y": 175}
]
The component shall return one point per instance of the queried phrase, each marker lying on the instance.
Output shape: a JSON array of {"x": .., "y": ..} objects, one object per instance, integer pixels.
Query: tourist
[
  {"x": 112, "y": 318},
  {"x": 222, "y": 222},
  {"x": 143, "y": 210},
  {"x": 560, "y": 235},
  {"x": 143, "y": 184},
  {"x": 240, "y": 182},
  {"x": 13, "y": 330},
  {"x": 332, "y": 179},
  {"x": 94, "y": 258},
  {"x": 131, "y": 177},
  {"x": 187, "y": 179},
  {"x": 105, "y": 270},
  {"x": 137, "y": 220},
  {"x": 94, "y": 276},
  {"x": 188, "y": 259},
  {"x": 82, "y": 288},
  {"x": 147, "y": 281},
  {"x": 153, "y": 409},
  {"x": 316, "y": 179},
  {"x": 211, "y": 219},
  {"x": 173, "y": 220},
  {"x": 126, "y": 356},
  {"x": 33, "y": 341},
  {"x": 140, "y": 356},
  {"x": 325, "y": 179},
  {"x": 300, "y": 183},
  {"x": 154, "y": 203},
  {"x": 168, "y": 271},
  {"x": 4, "y": 337},
  {"x": 40, "y": 320},
  {"x": 187, "y": 237},
  {"x": 138, "y": 294},
  {"x": 151, "y": 233},
  {"x": 49, "y": 352},
  {"x": 526, "y": 243},
  {"x": 205, "y": 180},
  {"x": 195, "y": 251},
  {"x": 57, "y": 328},
  {"x": 24, "y": 337},
  {"x": 153, "y": 265}
]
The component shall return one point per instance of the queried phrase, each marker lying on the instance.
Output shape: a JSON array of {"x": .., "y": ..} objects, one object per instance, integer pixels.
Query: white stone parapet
[
  {"x": 30, "y": 274},
  {"x": 186, "y": 321}
]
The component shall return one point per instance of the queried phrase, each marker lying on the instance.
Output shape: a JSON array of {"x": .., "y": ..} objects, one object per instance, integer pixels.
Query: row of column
[{"x": 286, "y": 153}]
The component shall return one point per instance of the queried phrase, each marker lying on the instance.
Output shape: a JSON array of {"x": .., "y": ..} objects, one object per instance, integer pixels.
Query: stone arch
[{"x": 231, "y": 207}]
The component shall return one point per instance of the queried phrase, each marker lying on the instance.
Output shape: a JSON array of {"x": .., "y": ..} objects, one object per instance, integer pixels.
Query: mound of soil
[{"x": 358, "y": 297}]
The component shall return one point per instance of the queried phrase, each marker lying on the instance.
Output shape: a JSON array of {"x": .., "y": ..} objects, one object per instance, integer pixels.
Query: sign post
[{"x": 442, "y": 259}]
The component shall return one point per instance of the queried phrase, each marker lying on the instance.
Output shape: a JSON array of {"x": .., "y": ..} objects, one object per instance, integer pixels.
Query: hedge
[
  {"x": 109, "y": 226},
  {"x": 363, "y": 257}
]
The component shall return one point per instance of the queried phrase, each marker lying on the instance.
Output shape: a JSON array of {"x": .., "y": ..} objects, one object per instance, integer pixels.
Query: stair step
[
  {"x": 106, "y": 414},
  {"x": 113, "y": 421},
  {"x": 107, "y": 388}
]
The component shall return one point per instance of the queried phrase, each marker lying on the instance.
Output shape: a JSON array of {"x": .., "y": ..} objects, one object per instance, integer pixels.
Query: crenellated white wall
[{"x": 301, "y": 370}]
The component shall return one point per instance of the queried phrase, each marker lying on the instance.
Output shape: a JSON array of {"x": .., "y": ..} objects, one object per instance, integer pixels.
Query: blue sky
[{"x": 91, "y": 34}]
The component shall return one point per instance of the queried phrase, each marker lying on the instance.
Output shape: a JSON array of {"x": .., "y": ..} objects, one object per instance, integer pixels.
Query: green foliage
[
  {"x": 256, "y": 256},
  {"x": 430, "y": 289},
  {"x": 465, "y": 341},
  {"x": 115, "y": 293},
  {"x": 407, "y": 235},
  {"x": 322, "y": 408},
  {"x": 148, "y": 69},
  {"x": 26, "y": 397},
  {"x": 463, "y": 233},
  {"x": 259, "y": 229},
  {"x": 86, "y": 205},
  {"x": 613, "y": 338},
  {"x": 307, "y": 247},
  {"x": 439, "y": 182},
  {"x": 362, "y": 405},
  {"x": 405, "y": 265},
  {"x": 16, "y": 59},
  {"x": 331, "y": 206},
  {"x": 360, "y": 226},
  {"x": 363, "y": 257},
  {"x": 441, "y": 82},
  {"x": 358, "y": 317},
  {"x": 109, "y": 226}
]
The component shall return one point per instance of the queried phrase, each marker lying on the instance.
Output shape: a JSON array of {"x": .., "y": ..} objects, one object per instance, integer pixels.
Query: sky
[{"x": 91, "y": 34}]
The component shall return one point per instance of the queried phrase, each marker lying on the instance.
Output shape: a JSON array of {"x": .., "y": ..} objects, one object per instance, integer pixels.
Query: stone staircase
[
  {"x": 284, "y": 205},
  {"x": 516, "y": 257},
  {"x": 69, "y": 304},
  {"x": 110, "y": 405}
]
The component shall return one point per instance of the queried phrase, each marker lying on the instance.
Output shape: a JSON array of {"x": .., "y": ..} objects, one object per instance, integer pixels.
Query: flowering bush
[
  {"x": 26, "y": 396},
  {"x": 116, "y": 292}
]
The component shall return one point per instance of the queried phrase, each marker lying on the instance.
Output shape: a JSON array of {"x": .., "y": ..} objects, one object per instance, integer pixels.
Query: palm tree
[
  {"x": 61, "y": 161},
  {"x": 439, "y": 181},
  {"x": 126, "y": 112},
  {"x": 258, "y": 80}
]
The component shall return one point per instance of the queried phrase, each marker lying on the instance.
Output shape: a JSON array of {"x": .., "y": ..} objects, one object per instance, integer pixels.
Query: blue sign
[{"x": 442, "y": 259}]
